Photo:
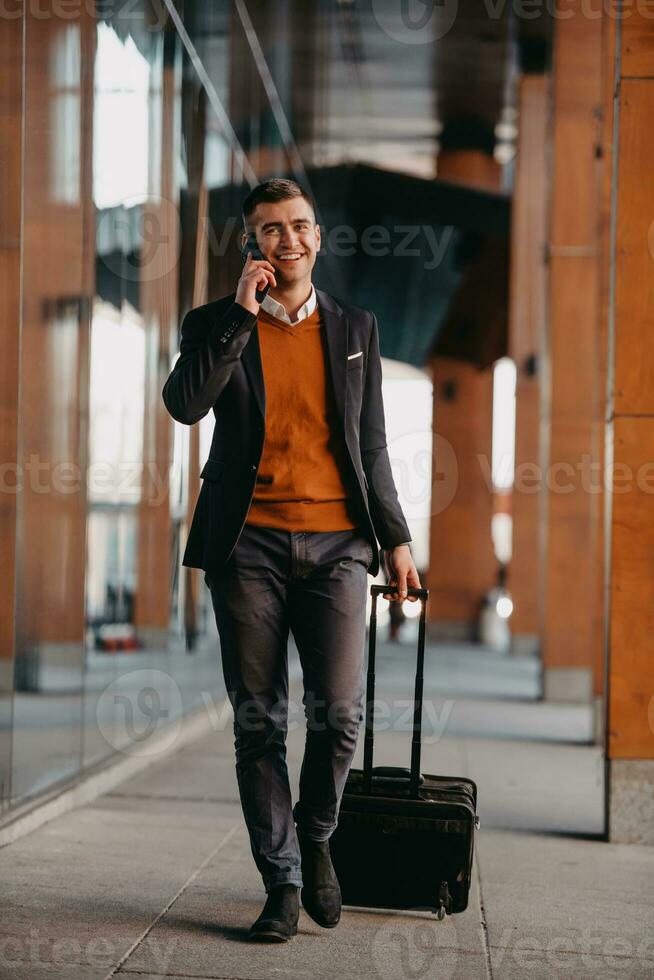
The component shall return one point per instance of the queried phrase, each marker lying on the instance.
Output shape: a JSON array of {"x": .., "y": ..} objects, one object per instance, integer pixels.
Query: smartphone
[{"x": 251, "y": 246}]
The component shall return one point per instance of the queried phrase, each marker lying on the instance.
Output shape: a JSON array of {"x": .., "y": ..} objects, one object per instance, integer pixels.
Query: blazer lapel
[
  {"x": 251, "y": 360},
  {"x": 336, "y": 333}
]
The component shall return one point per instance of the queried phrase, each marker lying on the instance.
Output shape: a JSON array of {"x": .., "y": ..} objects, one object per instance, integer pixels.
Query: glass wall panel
[
  {"x": 140, "y": 676},
  {"x": 53, "y": 370},
  {"x": 121, "y": 137},
  {"x": 11, "y": 154}
]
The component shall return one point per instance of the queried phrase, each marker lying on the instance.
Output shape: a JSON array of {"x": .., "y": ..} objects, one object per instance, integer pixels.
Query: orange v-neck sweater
[{"x": 302, "y": 483}]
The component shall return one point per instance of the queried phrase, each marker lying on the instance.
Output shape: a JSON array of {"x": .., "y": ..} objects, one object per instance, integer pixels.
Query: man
[{"x": 297, "y": 488}]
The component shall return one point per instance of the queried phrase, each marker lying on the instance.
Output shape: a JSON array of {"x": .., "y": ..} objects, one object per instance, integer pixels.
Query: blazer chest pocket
[
  {"x": 355, "y": 374},
  {"x": 354, "y": 382},
  {"x": 212, "y": 470}
]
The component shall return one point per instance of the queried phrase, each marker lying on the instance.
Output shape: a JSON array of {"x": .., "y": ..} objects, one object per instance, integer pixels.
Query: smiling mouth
[{"x": 290, "y": 256}]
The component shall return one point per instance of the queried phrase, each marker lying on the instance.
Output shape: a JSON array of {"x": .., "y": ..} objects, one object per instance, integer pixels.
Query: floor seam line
[
  {"x": 188, "y": 976},
  {"x": 137, "y": 942},
  {"x": 171, "y": 798},
  {"x": 484, "y": 922},
  {"x": 571, "y": 952}
]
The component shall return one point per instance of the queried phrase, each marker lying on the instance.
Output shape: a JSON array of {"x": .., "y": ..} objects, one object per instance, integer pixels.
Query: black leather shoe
[
  {"x": 321, "y": 893},
  {"x": 279, "y": 916}
]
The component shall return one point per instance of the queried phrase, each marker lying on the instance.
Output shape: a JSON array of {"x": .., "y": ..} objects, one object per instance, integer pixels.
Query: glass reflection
[
  {"x": 121, "y": 146},
  {"x": 65, "y": 63},
  {"x": 113, "y": 139},
  {"x": 126, "y": 166},
  {"x": 51, "y": 512},
  {"x": 137, "y": 673}
]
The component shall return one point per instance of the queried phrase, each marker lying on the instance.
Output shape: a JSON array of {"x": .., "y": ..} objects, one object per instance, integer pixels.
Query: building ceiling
[
  {"x": 383, "y": 82},
  {"x": 353, "y": 90}
]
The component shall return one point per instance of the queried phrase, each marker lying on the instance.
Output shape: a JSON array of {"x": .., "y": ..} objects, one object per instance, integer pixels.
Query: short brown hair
[{"x": 274, "y": 189}]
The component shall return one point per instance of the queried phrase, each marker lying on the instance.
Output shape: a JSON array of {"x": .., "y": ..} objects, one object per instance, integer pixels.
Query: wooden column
[
  {"x": 605, "y": 287},
  {"x": 192, "y": 584},
  {"x": 527, "y": 286},
  {"x": 575, "y": 409},
  {"x": 58, "y": 277},
  {"x": 630, "y": 427},
  {"x": 11, "y": 154},
  {"x": 472, "y": 168},
  {"x": 160, "y": 314},
  {"x": 462, "y": 566},
  {"x": 194, "y": 291}
]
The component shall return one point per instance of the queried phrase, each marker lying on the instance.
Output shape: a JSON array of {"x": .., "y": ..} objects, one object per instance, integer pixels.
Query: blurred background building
[{"x": 482, "y": 173}]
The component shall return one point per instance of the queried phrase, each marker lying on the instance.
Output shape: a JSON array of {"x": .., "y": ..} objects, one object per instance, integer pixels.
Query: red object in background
[{"x": 117, "y": 636}]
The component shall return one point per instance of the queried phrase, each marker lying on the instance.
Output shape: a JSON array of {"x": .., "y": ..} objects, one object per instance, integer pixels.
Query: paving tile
[
  {"x": 137, "y": 870},
  {"x": 82, "y": 888},
  {"x": 556, "y": 964},
  {"x": 517, "y": 782},
  {"x": 207, "y": 929},
  {"x": 584, "y": 898}
]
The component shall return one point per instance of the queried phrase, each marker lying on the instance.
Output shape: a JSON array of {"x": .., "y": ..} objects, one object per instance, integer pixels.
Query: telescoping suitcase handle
[{"x": 414, "y": 776}]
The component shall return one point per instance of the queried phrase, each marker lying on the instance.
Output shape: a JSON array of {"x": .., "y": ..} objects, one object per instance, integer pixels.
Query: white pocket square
[{"x": 358, "y": 354}]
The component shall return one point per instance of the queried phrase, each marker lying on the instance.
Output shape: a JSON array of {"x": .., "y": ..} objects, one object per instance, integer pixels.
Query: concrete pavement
[{"x": 155, "y": 879}]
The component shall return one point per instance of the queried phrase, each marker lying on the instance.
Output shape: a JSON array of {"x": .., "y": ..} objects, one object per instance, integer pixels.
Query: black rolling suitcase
[{"x": 404, "y": 840}]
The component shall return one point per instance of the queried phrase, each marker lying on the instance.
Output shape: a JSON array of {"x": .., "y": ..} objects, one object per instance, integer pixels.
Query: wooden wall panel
[
  {"x": 637, "y": 40},
  {"x": 574, "y": 347},
  {"x": 58, "y": 272},
  {"x": 525, "y": 571},
  {"x": 462, "y": 566},
  {"x": 577, "y": 93},
  {"x": 631, "y": 667},
  {"x": 529, "y": 221},
  {"x": 159, "y": 299},
  {"x": 574, "y": 206},
  {"x": 604, "y": 292},
  {"x": 11, "y": 125},
  {"x": 526, "y": 339},
  {"x": 571, "y": 638},
  {"x": 572, "y": 553},
  {"x": 634, "y": 300},
  {"x": 631, "y": 632},
  {"x": 472, "y": 168}
]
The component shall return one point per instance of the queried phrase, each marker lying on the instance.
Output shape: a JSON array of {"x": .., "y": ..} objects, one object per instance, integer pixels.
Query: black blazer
[{"x": 220, "y": 368}]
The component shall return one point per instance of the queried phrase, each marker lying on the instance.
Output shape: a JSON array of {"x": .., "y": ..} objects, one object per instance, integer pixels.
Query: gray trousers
[{"x": 315, "y": 584}]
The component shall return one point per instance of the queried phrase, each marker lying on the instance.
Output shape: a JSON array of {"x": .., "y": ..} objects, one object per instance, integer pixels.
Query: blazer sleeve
[
  {"x": 209, "y": 351},
  {"x": 388, "y": 519}
]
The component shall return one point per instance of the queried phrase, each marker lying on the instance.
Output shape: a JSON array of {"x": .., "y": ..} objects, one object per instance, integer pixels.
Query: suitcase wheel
[{"x": 444, "y": 901}]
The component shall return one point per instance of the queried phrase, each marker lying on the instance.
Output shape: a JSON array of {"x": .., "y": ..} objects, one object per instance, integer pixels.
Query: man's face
[{"x": 288, "y": 237}]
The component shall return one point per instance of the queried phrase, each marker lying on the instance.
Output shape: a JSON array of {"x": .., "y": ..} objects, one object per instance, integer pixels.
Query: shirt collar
[{"x": 271, "y": 306}]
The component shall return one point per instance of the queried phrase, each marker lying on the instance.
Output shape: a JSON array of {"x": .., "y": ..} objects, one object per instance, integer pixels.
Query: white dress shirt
[{"x": 271, "y": 306}]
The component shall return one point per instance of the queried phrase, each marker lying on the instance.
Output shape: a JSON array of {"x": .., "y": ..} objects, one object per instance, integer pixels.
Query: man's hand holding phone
[{"x": 256, "y": 275}]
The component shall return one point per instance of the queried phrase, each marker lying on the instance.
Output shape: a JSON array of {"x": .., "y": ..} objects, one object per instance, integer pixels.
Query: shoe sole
[
  {"x": 323, "y": 925},
  {"x": 270, "y": 936}
]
